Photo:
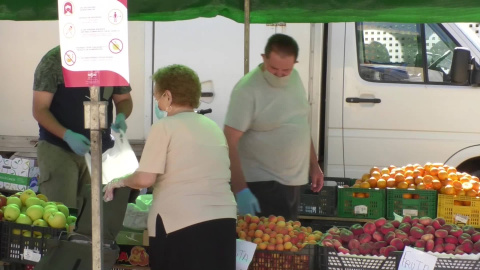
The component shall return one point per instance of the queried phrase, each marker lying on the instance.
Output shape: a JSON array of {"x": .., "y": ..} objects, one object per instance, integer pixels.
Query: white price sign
[
  {"x": 31, "y": 255},
  {"x": 245, "y": 252},
  {"x": 410, "y": 212},
  {"x": 461, "y": 218},
  {"x": 414, "y": 259},
  {"x": 361, "y": 209}
]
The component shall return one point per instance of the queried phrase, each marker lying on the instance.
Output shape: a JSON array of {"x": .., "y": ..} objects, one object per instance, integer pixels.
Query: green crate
[
  {"x": 351, "y": 207},
  {"x": 323, "y": 203},
  {"x": 424, "y": 206}
]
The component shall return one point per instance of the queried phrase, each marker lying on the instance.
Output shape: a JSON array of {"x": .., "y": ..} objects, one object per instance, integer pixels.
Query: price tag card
[
  {"x": 31, "y": 255},
  {"x": 410, "y": 212},
  {"x": 414, "y": 259},
  {"x": 361, "y": 209},
  {"x": 245, "y": 252},
  {"x": 461, "y": 218}
]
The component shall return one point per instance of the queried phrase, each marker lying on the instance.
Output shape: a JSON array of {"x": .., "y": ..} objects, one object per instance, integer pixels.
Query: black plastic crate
[
  {"x": 323, "y": 203},
  {"x": 285, "y": 260},
  {"x": 15, "y": 239},
  {"x": 328, "y": 259}
]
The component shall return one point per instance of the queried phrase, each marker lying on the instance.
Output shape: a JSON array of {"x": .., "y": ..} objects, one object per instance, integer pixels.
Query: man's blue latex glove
[
  {"x": 120, "y": 123},
  {"x": 77, "y": 142},
  {"x": 247, "y": 202}
]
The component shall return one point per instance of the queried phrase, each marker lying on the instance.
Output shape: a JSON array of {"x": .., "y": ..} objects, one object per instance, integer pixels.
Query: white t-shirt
[
  {"x": 276, "y": 140},
  {"x": 190, "y": 154}
]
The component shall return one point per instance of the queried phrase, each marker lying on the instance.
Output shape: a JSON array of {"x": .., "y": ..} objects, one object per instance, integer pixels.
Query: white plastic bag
[
  {"x": 136, "y": 216},
  {"x": 118, "y": 161}
]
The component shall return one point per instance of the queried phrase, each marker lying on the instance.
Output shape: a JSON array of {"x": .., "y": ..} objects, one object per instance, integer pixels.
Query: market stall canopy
[{"x": 270, "y": 11}]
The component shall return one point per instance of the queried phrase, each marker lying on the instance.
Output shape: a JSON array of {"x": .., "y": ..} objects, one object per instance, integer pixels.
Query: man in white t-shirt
[{"x": 271, "y": 151}]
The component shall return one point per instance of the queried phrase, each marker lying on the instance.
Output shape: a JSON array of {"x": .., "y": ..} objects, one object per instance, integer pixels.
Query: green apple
[
  {"x": 71, "y": 219},
  {"x": 27, "y": 194},
  {"x": 26, "y": 233},
  {"x": 50, "y": 203},
  {"x": 33, "y": 201},
  {"x": 40, "y": 223},
  {"x": 64, "y": 209},
  {"x": 23, "y": 209},
  {"x": 50, "y": 206},
  {"x": 47, "y": 212},
  {"x": 14, "y": 200},
  {"x": 37, "y": 234},
  {"x": 23, "y": 219},
  {"x": 11, "y": 212},
  {"x": 57, "y": 220},
  {"x": 35, "y": 212},
  {"x": 17, "y": 231}
]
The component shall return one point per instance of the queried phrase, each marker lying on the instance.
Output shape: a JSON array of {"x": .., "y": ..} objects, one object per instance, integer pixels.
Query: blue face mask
[{"x": 159, "y": 113}]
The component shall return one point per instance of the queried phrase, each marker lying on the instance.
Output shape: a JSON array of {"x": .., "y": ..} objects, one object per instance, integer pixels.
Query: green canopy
[{"x": 270, "y": 11}]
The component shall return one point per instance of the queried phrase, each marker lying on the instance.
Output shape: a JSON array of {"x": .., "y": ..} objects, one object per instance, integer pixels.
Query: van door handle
[{"x": 362, "y": 100}]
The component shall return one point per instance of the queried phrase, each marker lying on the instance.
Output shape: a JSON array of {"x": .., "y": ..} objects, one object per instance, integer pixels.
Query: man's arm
[
  {"x": 238, "y": 179},
  {"x": 123, "y": 104},
  {"x": 316, "y": 174},
  {"x": 41, "y": 112}
]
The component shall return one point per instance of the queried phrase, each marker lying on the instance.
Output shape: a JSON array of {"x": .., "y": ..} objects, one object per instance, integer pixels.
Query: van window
[{"x": 394, "y": 52}]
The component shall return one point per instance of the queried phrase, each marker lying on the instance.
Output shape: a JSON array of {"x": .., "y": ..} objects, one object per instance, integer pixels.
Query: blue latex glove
[
  {"x": 247, "y": 202},
  {"x": 120, "y": 123},
  {"x": 77, "y": 142}
]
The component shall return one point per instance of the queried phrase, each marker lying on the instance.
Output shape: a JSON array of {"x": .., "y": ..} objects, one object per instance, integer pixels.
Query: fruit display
[
  {"x": 382, "y": 237},
  {"x": 31, "y": 209},
  {"x": 431, "y": 176},
  {"x": 275, "y": 233}
]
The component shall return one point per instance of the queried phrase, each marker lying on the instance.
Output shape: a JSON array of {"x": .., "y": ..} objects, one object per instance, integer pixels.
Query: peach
[
  {"x": 412, "y": 239},
  {"x": 427, "y": 237},
  {"x": 287, "y": 238},
  {"x": 405, "y": 227},
  {"x": 441, "y": 233},
  {"x": 456, "y": 232},
  {"x": 406, "y": 242},
  {"x": 356, "y": 229},
  {"x": 265, "y": 237},
  {"x": 272, "y": 219},
  {"x": 400, "y": 234},
  {"x": 253, "y": 226},
  {"x": 332, "y": 231},
  {"x": 467, "y": 246},
  {"x": 294, "y": 249},
  {"x": 441, "y": 220},
  {"x": 414, "y": 221},
  {"x": 388, "y": 227},
  {"x": 247, "y": 218},
  {"x": 476, "y": 246},
  {"x": 302, "y": 236},
  {"x": 459, "y": 250},
  {"x": 447, "y": 227},
  {"x": 284, "y": 231},
  {"x": 336, "y": 243},
  {"x": 449, "y": 247},
  {"x": 429, "y": 245},
  {"x": 429, "y": 229},
  {"x": 476, "y": 237},
  {"x": 380, "y": 222},
  {"x": 382, "y": 250},
  {"x": 242, "y": 235},
  {"x": 354, "y": 251},
  {"x": 378, "y": 236},
  {"x": 438, "y": 248},
  {"x": 395, "y": 223},
  {"x": 364, "y": 248},
  {"x": 468, "y": 229},
  {"x": 407, "y": 219},
  {"x": 364, "y": 238},
  {"x": 258, "y": 233},
  {"x": 287, "y": 245},
  {"x": 416, "y": 232},
  {"x": 379, "y": 244},
  {"x": 451, "y": 239},
  {"x": 271, "y": 247},
  {"x": 327, "y": 243},
  {"x": 375, "y": 252},
  {"x": 354, "y": 244},
  {"x": 343, "y": 250},
  {"x": 389, "y": 237},
  {"x": 397, "y": 243},
  {"x": 420, "y": 226},
  {"x": 369, "y": 228},
  {"x": 281, "y": 224},
  {"x": 346, "y": 236},
  {"x": 257, "y": 240},
  {"x": 439, "y": 241},
  {"x": 388, "y": 250},
  {"x": 425, "y": 221},
  {"x": 262, "y": 246},
  {"x": 280, "y": 218},
  {"x": 294, "y": 240},
  {"x": 436, "y": 224},
  {"x": 279, "y": 247},
  {"x": 420, "y": 244},
  {"x": 255, "y": 219},
  {"x": 463, "y": 237}
]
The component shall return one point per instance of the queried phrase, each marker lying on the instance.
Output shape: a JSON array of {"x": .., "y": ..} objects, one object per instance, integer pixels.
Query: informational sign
[
  {"x": 245, "y": 252},
  {"x": 414, "y": 259},
  {"x": 461, "y": 218},
  {"x": 360, "y": 210},
  {"x": 94, "y": 42}
]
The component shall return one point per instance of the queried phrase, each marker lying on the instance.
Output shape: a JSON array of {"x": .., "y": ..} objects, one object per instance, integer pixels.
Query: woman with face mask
[{"x": 192, "y": 219}]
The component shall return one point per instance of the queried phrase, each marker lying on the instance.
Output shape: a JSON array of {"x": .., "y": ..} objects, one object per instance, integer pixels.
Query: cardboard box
[{"x": 18, "y": 174}]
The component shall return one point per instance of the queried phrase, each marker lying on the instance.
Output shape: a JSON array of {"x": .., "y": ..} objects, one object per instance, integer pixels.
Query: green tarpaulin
[{"x": 271, "y": 11}]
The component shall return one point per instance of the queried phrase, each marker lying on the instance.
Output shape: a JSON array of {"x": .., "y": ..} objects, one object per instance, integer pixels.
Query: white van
[{"x": 380, "y": 93}]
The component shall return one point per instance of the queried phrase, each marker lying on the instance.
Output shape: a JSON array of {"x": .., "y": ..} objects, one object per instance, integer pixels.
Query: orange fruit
[
  {"x": 399, "y": 178},
  {"x": 356, "y": 186},
  {"x": 402, "y": 185},
  {"x": 451, "y": 170},
  {"x": 461, "y": 192},
  {"x": 467, "y": 186},
  {"x": 474, "y": 178},
  {"x": 442, "y": 175},
  {"x": 428, "y": 166},
  {"x": 372, "y": 182},
  {"x": 434, "y": 171},
  {"x": 442, "y": 190},
  {"x": 421, "y": 170},
  {"x": 457, "y": 185},
  {"x": 453, "y": 176},
  {"x": 449, "y": 190},
  {"x": 467, "y": 203},
  {"x": 360, "y": 195},
  {"x": 407, "y": 195},
  {"x": 436, "y": 184},
  {"x": 365, "y": 177},
  {"x": 385, "y": 176},
  {"x": 416, "y": 173},
  {"x": 464, "y": 179},
  {"x": 421, "y": 186},
  {"x": 374, "y": 169},
  {"x": 385, "y": 171},
  {"x": 457, "y": 203},
  {"x": 377, "y": 175},
  {"x": 418, "y": 180},
  {"x": 408, "y": 173},
  {"x": 411, "y": 186},
  {"x": 367, "y": 195},
  {"x": 471, "y": 193},
  {"x": 416, "y": 196},
  {"x": 409, "y": 167},
  {"x": 476, "y": 186},
  {"x": 392, "y": 167},
  {"x": 391, "y": 182},
  {"x": 382, "y": 183},
  {"x": 409, "y": 180},
  {"x": 448, "y": 181},
  {"x": 365, "y": 185}
]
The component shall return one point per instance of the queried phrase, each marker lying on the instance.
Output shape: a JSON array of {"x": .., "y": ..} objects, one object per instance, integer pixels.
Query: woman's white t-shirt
[{"x": 190, "y": 153}]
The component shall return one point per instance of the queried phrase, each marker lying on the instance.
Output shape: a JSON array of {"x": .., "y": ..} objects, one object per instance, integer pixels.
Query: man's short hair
[{"x": 282, "y": 44}]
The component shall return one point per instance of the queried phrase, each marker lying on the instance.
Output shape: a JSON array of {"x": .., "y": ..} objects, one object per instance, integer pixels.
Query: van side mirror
[{"x": 461, "y": 66}]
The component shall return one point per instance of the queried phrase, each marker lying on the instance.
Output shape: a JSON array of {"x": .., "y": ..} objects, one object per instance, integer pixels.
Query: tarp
[{"x": 271, "y": 11}]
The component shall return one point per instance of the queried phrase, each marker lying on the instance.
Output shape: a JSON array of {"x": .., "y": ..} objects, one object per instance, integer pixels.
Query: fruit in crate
[
  {"x": 431, "y": 176},
  {"x": 275, "y": 233},
  {"x": 383, "y": 237}
]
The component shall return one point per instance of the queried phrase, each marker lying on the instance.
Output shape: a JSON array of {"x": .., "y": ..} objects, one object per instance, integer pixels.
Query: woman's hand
[{"x": 111, "y": 186}]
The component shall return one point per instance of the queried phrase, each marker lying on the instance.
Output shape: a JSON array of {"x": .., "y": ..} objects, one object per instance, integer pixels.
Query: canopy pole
[
  {"x": 246, "y": 60},
  {"x": 97, "y": 122}
]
